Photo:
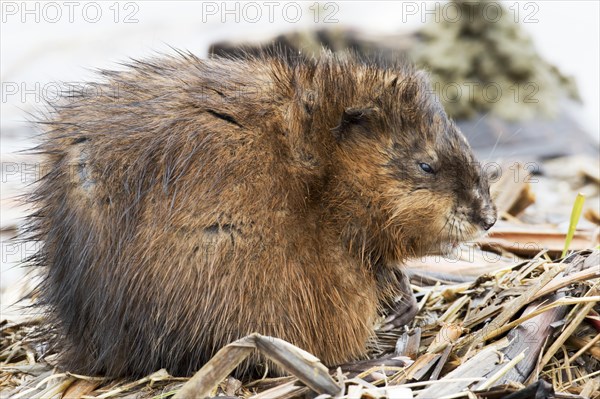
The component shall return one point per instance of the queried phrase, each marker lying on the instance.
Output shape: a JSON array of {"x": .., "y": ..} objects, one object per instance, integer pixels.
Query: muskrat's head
[{"x": 411, "y": 169}]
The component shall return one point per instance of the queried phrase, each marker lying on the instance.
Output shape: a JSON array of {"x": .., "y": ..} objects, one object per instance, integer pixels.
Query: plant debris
[{"x": 532, "y": 326}]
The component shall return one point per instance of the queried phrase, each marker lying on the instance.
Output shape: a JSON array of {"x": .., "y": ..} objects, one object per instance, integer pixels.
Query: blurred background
[{"x": 520, "y": 78}]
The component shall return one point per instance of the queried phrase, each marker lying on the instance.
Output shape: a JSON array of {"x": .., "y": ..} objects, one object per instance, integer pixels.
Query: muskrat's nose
[{"x": 488, "y": 221}]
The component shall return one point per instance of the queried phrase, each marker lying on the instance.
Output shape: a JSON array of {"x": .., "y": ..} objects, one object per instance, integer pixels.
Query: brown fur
[{"x": 191, "y": 202}]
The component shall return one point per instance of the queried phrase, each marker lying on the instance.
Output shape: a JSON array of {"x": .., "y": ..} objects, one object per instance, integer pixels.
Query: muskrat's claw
[
  {"x": 402, "y": 313},
  {"x": 403, "y": 309}
]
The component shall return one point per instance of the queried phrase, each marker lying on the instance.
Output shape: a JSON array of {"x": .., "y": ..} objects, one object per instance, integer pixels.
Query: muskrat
[{"x": 190, "y": 202}]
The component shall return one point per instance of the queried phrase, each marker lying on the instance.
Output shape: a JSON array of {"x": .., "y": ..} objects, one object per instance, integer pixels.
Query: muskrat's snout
[
  {"x": 475, "y": 205},
  {"x": 484, "y": 212},
  {"x": 488, "y": 216}
]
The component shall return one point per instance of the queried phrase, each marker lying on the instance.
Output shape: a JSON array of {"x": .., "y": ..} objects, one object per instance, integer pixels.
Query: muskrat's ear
[
  {"x": 353, "y": 117},
  {"x": 410, "y": 90},
  {"x": 391, "y": 82}
]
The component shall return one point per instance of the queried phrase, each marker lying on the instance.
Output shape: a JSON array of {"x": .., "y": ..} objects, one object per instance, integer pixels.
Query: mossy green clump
[{"x": 481, "y": 60}]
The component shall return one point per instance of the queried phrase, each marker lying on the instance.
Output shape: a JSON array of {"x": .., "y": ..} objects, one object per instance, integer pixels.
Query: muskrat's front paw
[{"x": 400, "y": 313}]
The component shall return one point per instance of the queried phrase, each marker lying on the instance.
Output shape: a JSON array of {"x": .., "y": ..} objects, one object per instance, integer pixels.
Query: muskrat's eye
[{"x": 426, "y": 167}]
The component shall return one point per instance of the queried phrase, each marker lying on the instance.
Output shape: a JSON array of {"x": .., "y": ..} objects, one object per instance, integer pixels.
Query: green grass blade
[{"x": 575, "y": 215}]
